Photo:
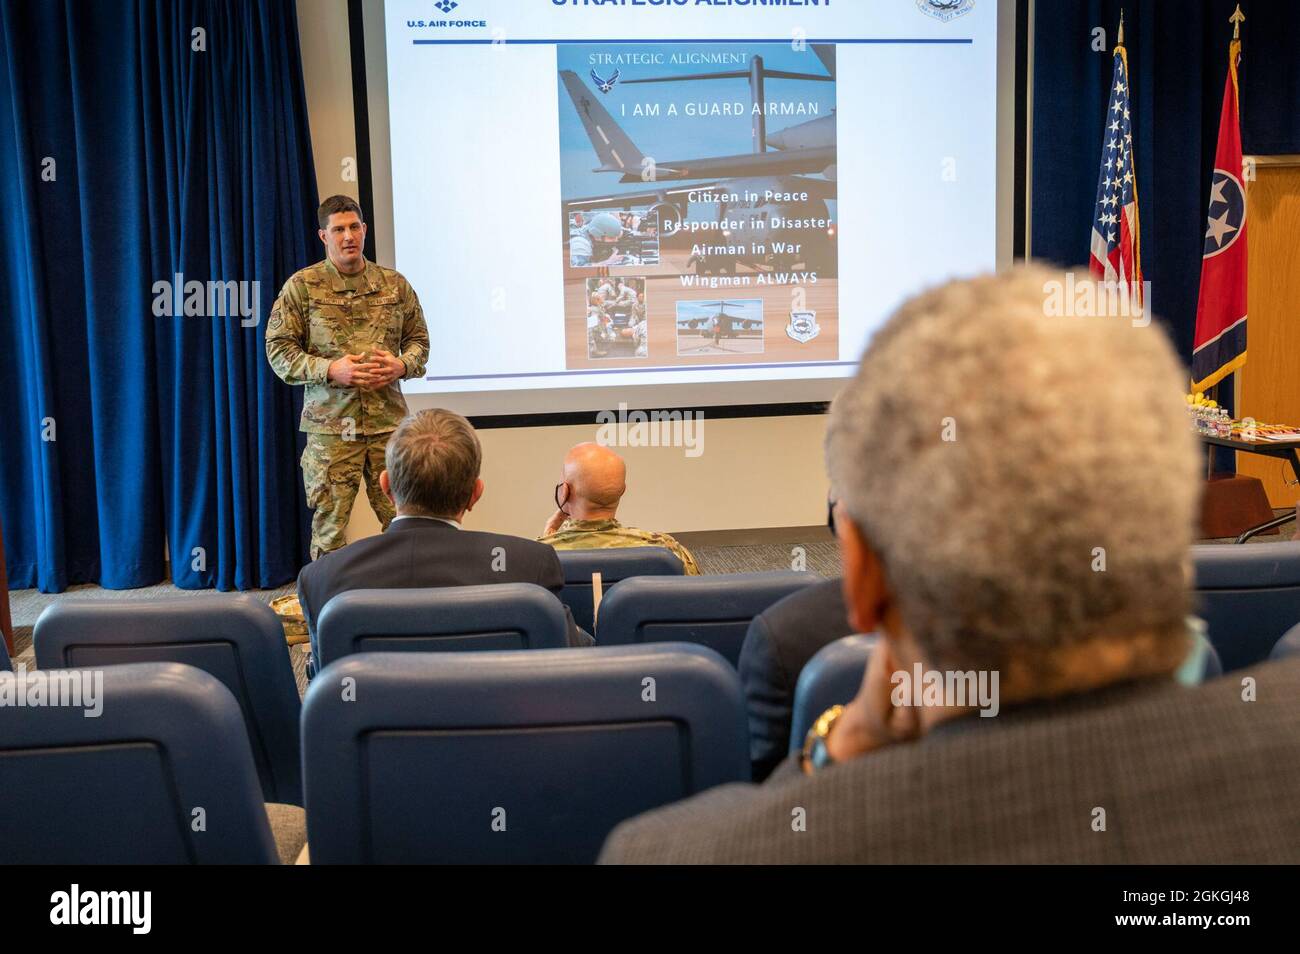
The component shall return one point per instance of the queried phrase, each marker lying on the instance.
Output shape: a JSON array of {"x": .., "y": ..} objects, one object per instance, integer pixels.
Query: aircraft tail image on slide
[
  {"x": 807, "y": 148},
  {"x": 787, "y": 177},
  {"x": 757, "y": 74},
  {"x": 616, "y": 151}
]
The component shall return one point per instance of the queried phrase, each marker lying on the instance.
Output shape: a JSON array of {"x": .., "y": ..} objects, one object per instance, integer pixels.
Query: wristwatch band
[{"x": 815, "y": 754}]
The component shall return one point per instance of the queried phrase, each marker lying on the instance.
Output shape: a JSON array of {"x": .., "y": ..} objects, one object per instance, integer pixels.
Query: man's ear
[
  {"x": 321, "y": 233},
  {"x": 865, "y": 592},
  {"x": 386, "y": 486},
  {"x": 474, "y": 497}
]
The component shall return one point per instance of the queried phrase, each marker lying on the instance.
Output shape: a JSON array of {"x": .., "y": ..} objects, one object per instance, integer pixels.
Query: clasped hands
[{"x": 370, "y": 373}]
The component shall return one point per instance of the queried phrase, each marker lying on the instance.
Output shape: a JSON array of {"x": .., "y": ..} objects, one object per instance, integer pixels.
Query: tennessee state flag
[{"x": 1219, "y": 347}]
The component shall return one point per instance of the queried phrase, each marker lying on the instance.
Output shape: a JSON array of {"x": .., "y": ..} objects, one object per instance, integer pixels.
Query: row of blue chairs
[
  {"x": 1248, "y": 595},
  {"x": 614, "y": 565},
  {"x": 500, "y": 757},
  {"x": 406, "y": 757},
  {"x": 714, "y": 611},
  {"x": 238, "y": 639}
]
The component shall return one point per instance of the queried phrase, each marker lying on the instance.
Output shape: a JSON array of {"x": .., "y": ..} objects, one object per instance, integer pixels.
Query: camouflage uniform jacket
[
  {"x": 607, "y": 534},
  {"x": 322, "y": 315}
]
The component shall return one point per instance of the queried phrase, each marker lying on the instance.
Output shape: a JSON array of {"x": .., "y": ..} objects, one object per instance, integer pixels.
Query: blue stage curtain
[
  {"x": 1178, "y": 60},
  {"x": 128, "y": 156}
]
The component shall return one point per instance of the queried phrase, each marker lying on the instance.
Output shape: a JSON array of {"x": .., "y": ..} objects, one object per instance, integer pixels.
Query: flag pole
[
  {"x": 1237, "y": 19},
  {"x": 1221, "y": 306},
  {"x": 1135, "y": 281}
]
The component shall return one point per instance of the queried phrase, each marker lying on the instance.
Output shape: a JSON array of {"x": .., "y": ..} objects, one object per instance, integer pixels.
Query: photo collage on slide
[{"x": 699, "y": 203}]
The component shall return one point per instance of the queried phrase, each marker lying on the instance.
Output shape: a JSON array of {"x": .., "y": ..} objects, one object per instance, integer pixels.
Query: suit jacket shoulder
[
  {"x": 426, "y": 554},
  {"x": 779, "y": 643},
  {"x": 419, "y": 554},
  {"x": 1184, "y": 776}
]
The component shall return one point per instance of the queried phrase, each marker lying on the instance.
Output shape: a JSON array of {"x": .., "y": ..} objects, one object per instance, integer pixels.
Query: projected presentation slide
[
  {"x": 595, "y": 194},
  {"x": 763, "y": 222}
]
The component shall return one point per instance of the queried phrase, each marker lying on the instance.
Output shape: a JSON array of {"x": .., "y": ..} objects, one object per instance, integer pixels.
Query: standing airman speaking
[{"x": 349, "y": 330}]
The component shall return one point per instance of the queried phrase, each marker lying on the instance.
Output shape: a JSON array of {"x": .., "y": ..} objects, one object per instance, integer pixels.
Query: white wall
[
  {"x": 753, "y": 472},
  {"x": 327, "y": 70}
]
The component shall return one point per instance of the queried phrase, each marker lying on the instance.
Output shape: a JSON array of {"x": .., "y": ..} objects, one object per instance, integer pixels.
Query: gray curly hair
[{"x": 987, "y": 451}]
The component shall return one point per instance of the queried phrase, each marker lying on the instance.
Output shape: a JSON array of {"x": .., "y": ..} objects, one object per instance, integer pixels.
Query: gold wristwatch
[{"x": 815, "y": 754}]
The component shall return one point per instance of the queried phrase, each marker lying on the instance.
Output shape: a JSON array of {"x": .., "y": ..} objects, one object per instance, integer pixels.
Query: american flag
[{"x": 1116, "y": 237}]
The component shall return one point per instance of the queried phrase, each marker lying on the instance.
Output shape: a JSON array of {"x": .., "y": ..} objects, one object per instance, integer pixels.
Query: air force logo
[
  {"x": 1227, "y": 213},
  {"x": 446, "y": 6},
  {"x": 945, "y": 10},
  {"x": 605, "y": 85},
  {"x": 803, "y": 326}
]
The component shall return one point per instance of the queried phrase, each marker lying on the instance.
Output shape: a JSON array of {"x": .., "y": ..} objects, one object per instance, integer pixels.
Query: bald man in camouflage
[
  {"x": 595, "y": 479},
  {"x": 349, "y": 330}
]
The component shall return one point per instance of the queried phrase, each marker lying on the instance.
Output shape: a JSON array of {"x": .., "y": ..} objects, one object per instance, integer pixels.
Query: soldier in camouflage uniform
[
  {"x": 349, "y": 330},
  {"x": 595, "y": 479}
]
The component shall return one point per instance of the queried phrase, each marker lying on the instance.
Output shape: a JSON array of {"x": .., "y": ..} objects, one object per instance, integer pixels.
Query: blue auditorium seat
[
  {"x": 613, "y": 564},
  {"x": 1288, "y": 645},
  {"x": 440, "y": 619},
  {"x": 236, "y": 638},
  {"x": 1249, "y": 595},
  {"x": 832, "y": 677},
  {"x": 712, "y": 610},
  {"x": 125, "y": 787},
  {"x": 438, "y": 750}
]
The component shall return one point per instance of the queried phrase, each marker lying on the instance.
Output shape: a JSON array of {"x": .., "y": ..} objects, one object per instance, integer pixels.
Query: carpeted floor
[{"x": 820, "y": 556}]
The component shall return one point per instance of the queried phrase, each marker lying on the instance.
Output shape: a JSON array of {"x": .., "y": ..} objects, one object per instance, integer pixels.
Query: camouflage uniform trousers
[{"x": 332, "y": 470}]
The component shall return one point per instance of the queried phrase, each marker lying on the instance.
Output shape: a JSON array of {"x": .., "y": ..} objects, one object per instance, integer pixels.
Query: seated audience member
[
  {"x": 779, "y": 643},
  {"x": 432, "y": 476},
  {"x": 595, "y": 479},
  {"x": 984, "y": 459}
]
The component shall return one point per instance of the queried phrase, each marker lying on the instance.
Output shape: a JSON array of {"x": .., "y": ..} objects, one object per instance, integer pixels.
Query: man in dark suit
[
  {"x": 432, "y": 477},
  {"x": 1017, "y": 536},
  {"x": 779, "y": 643}
]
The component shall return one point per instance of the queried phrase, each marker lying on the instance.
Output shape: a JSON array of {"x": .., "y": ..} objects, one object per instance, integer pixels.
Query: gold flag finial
[
  {"x": 1237, "y": 19},
  {"x": 1120, "y": 42}
]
